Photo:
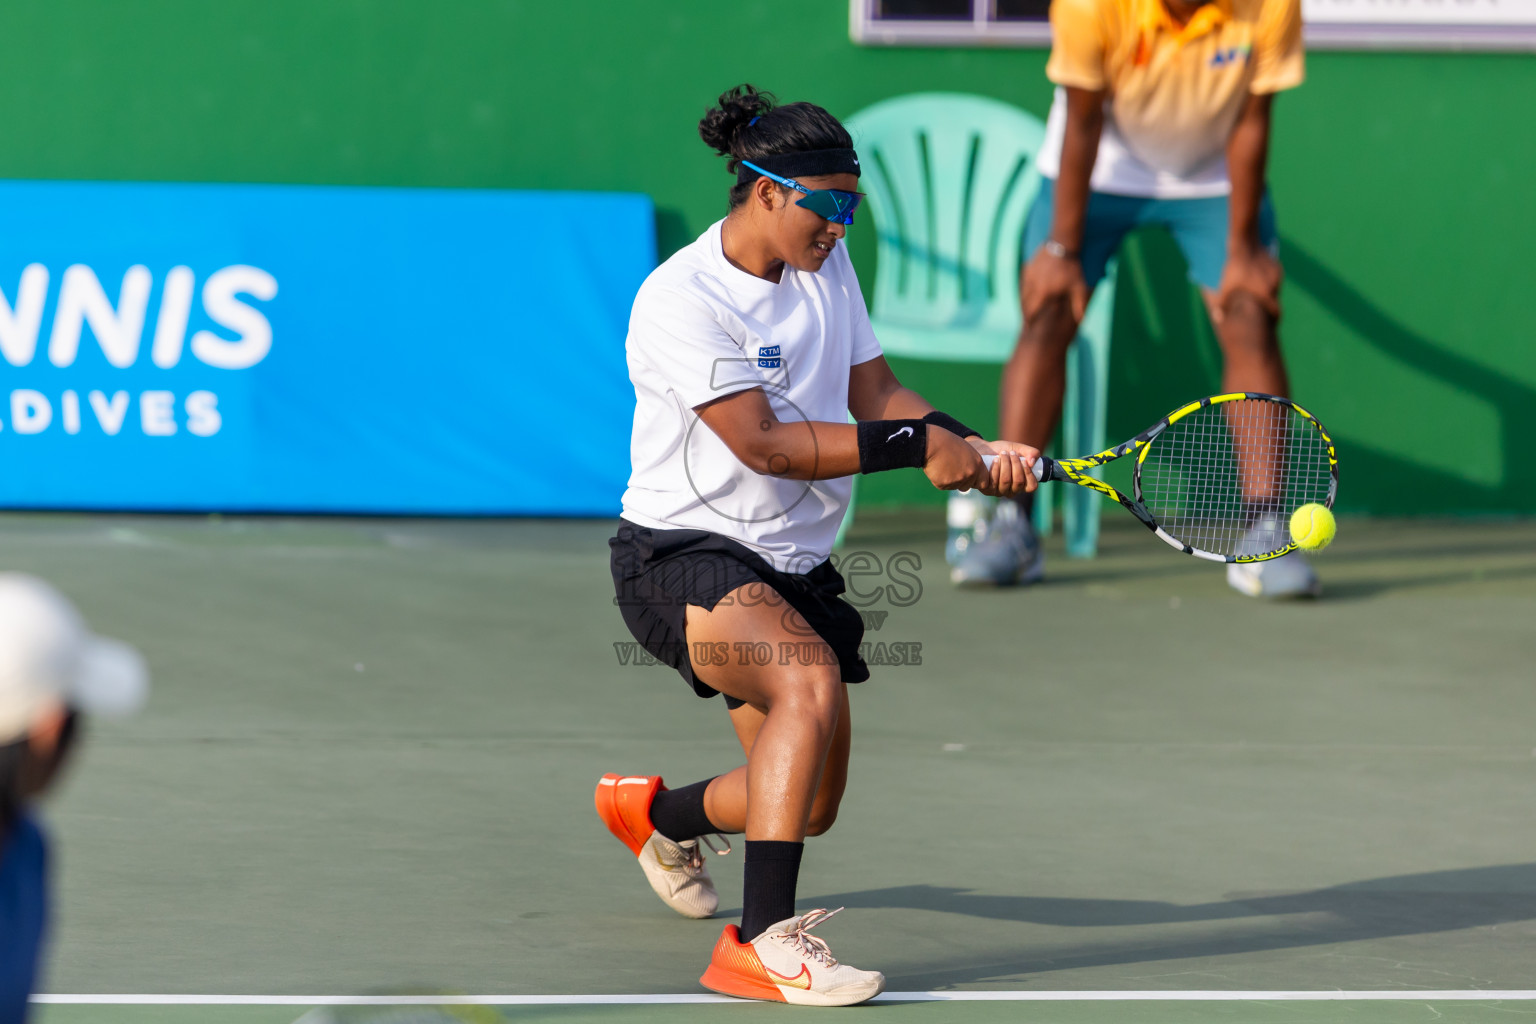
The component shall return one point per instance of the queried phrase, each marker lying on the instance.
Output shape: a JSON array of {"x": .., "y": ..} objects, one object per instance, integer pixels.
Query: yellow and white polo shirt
[{"x": 1173, "y": 93}]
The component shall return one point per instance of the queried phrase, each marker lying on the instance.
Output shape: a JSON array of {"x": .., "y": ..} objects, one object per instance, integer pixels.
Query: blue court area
[{"x": 367, "y": 766}]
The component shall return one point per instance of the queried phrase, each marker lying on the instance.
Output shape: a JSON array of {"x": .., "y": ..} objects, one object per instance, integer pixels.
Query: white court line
[{"x": 1312, "y": 995}]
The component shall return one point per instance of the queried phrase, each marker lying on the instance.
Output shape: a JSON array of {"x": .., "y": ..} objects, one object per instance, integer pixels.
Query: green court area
[{"x": 368, "y": 761}]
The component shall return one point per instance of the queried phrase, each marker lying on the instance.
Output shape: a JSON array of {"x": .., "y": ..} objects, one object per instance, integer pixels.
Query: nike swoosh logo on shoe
[
  {"x": 805, "y": 972},
  {"x": 903, "y": 430}
]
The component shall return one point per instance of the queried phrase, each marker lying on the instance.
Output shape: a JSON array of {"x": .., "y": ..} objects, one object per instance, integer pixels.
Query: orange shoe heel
[
  {"x": 624, "y": 804},
  {"x": 735, "y": 970}
]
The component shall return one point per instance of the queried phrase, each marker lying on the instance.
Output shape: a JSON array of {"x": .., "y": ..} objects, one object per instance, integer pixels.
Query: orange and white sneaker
[
  {"x": 675, "y": 870},
  {"x": 786, "y": 964}
]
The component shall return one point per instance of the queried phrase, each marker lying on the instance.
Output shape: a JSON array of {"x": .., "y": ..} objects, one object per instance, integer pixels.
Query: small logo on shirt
[
  {"x": 1231, "y": 55},
  {"x": 768, "y": 357},
  {"x": 903, "y": 430}
]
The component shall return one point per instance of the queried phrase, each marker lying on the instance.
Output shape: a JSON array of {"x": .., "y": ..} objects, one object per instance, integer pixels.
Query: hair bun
[{"x": 722, "y": 124}]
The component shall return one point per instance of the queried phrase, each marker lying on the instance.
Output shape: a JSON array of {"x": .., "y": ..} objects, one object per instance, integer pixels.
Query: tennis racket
[{"x": 1219, "y": 478}]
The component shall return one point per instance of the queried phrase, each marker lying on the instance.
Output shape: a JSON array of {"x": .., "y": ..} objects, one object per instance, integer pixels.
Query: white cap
[{"x": 47, "y": 654}]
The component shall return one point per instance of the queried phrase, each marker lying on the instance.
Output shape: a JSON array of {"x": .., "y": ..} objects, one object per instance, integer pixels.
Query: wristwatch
[{"x": 1058, "y": 250}]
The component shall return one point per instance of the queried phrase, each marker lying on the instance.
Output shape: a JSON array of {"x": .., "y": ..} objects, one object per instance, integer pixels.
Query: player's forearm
[
  {"x": 801, "y": 450},
  {"x": 1079, "y": 151},
  {"x": 1247, "y": 157},
  {"x": 903, "y": 404},
  {"x": 794, "y": 449},
  {"x": 825, "y": 451},
  {"x": 900, "y": 403}
]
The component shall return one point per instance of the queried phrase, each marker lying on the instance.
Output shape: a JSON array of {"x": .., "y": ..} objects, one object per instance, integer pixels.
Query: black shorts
[{"x": 657, "y": 574}]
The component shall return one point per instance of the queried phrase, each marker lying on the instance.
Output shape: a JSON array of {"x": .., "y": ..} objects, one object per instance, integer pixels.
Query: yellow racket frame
[{"x": 1077, "y": 470}]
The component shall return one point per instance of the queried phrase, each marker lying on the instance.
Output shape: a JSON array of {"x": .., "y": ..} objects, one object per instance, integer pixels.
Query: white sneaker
[
  {"x": 675, "y": 870},
  {"x": 1004, "y": 551},
  {"x": 1286, "y": 576},
  {"x": 965, "y": 512},
  {"x": 677, "y": 873},
  {"x": 786, "y": 964}
]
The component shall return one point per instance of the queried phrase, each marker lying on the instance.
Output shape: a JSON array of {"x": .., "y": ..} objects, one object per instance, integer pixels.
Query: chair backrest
[{"x": 950, "y": 177}]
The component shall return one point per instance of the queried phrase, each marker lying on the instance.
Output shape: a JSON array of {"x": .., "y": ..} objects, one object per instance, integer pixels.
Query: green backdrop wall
[{"x": 1403, "y": 181}]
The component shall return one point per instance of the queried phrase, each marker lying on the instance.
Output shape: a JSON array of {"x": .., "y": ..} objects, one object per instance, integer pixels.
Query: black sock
[
  {"x": 679, "y": 814},
  {"x": 768, "y": 889}
]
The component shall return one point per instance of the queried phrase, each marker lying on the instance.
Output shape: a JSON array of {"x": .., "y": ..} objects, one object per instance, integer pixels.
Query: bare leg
[
  {"x": 1251, "y": 349},
  {"x": 800, "y": 705},
  {"x": 726, "y": 799},
  {"x": 1250, "y": 346},
  {"x": 1035, "y": 379}
]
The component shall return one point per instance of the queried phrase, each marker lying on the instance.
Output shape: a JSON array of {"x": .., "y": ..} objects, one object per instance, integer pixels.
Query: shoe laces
[
  {"x": 799, "y": 938},
  {"x": 695, "y": 862}
]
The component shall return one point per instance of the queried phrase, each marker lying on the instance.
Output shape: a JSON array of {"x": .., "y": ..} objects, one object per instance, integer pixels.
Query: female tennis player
[{"x": 747, "y": 350}]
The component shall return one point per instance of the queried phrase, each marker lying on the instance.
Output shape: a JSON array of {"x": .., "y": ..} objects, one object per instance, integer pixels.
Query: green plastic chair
[{"x": 950, "y": 179}]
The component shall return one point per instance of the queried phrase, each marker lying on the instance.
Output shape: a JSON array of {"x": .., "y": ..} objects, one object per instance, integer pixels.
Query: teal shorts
[{"x": 1198, "y": 225}]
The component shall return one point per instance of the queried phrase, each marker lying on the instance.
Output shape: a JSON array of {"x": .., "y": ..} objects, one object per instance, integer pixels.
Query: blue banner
[{"x": 316, "y": 349}]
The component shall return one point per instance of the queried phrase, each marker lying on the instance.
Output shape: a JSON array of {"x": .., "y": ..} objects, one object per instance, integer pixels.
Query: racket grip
[{"x": 1041, "y": 468}]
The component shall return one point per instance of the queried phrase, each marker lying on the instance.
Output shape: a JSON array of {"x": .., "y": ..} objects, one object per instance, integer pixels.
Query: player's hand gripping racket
[{"x": 1219, "y": 478}]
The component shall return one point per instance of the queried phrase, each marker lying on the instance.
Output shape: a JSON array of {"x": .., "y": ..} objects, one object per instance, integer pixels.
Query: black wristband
[
  {"x": 949, "y": 423},
  {"x": 892, "y": 444}
]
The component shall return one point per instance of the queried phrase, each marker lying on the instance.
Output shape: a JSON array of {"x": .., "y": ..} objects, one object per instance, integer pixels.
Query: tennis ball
[{"x": 1313, "y": 526}]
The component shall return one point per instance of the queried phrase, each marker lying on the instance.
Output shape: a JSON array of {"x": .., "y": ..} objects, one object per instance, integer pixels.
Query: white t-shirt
[
  {"x": 702, "y": 329},
  {"x": 1119, "y": 171}
]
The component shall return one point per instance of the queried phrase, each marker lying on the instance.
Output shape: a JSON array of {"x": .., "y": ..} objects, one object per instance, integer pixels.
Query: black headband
[{"x": 809, "y": 163}]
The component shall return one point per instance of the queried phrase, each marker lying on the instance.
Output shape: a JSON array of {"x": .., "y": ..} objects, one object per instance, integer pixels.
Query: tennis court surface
[{"x": 367, "y": 767}]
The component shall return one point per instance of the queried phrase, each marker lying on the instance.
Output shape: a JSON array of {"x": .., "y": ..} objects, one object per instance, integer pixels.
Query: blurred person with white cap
[{"x": 52, "y": 670}]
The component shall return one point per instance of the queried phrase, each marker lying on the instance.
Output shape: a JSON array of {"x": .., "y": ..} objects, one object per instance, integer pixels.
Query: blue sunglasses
[{"x": 835, "y": 205}]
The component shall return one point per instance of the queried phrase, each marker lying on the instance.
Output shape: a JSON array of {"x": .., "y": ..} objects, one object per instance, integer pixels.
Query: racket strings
[{"x": 1226, "y": 478}]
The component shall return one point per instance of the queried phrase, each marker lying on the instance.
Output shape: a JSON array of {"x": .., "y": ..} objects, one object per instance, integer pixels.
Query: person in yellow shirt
[{"x": 1161, "y": 117}]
